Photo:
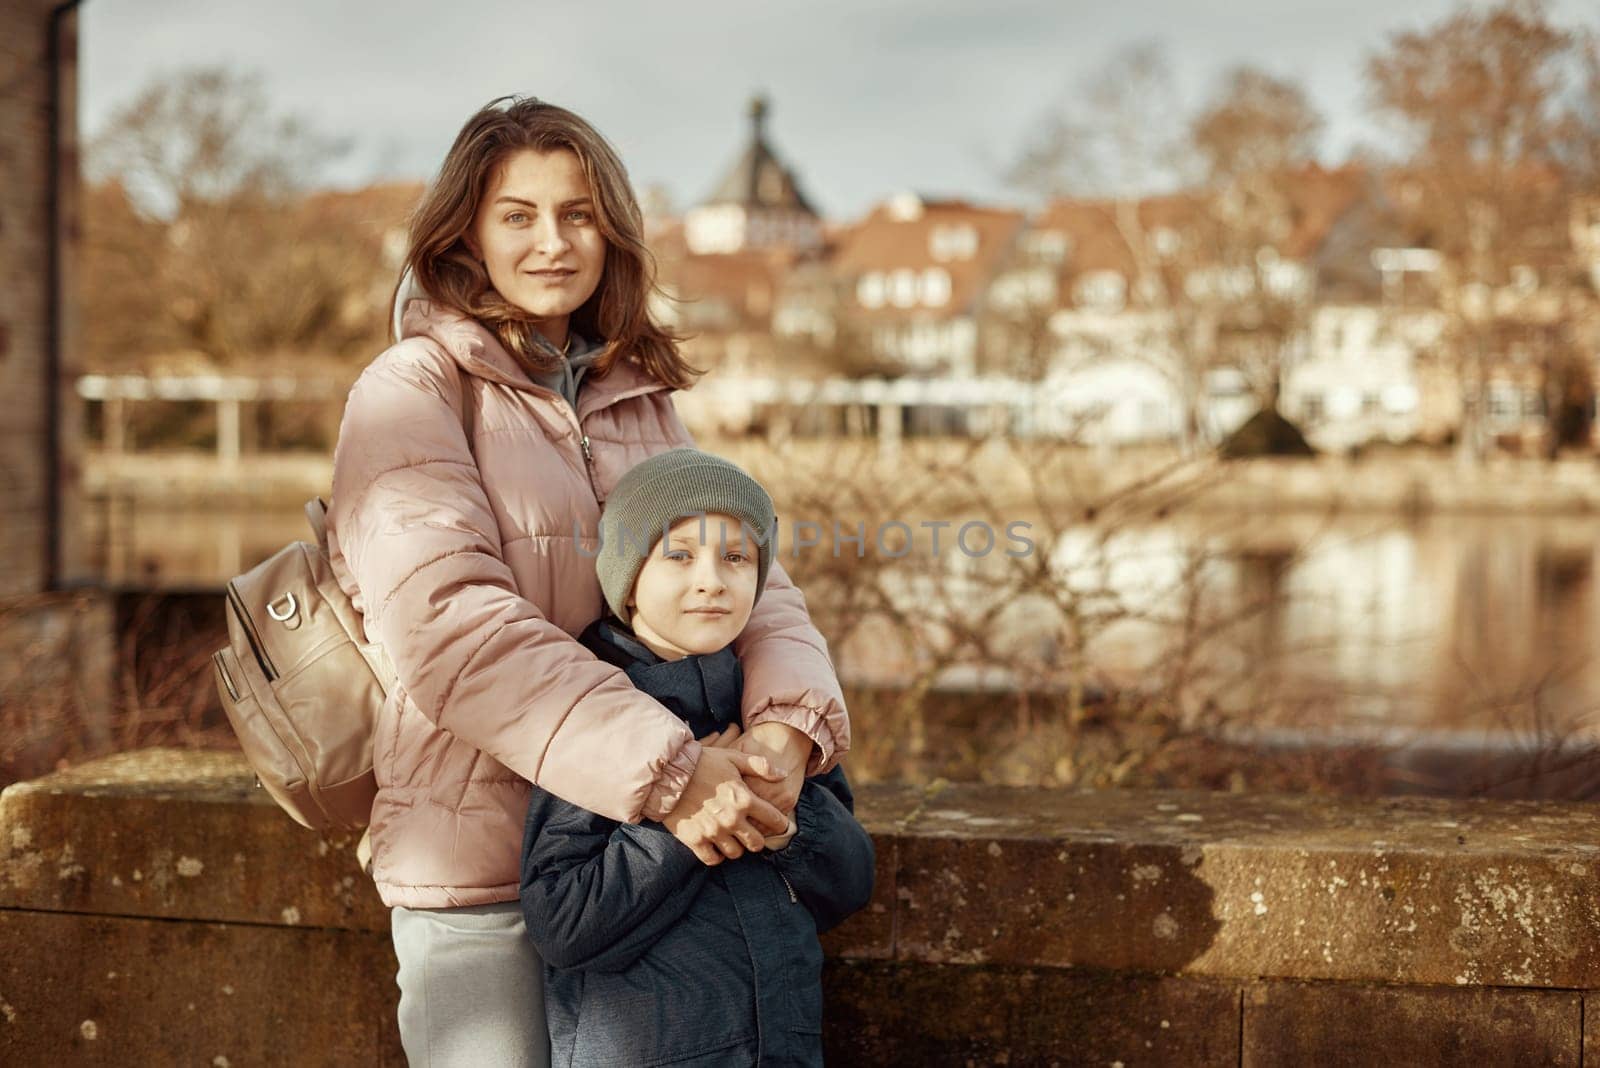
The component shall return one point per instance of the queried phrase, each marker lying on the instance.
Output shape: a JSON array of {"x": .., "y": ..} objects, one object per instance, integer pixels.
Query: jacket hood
[
  {"x": 480, "y": 353},
  {"x": 407, "y": 291}
]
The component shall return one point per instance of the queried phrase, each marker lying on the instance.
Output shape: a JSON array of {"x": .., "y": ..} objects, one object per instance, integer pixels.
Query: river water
[
  {"x": 1361, "y": 625},
  {"x": 1370, "y": 627}
]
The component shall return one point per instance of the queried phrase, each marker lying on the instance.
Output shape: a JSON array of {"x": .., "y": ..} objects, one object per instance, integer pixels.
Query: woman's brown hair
[{"x": 619, "y": 311}]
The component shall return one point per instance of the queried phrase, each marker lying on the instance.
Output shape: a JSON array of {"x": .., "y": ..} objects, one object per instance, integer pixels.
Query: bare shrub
[
  {"x": 993, "y": 664},
  {"x": 89, "y": 675}
]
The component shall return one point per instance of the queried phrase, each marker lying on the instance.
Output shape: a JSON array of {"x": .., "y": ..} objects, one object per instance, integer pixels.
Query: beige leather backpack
[{"x": 301, "y": 685}]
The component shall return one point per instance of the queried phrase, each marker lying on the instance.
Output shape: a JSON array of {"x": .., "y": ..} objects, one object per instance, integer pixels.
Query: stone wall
[
  {"x": 53, "y": 642},
  {"x": 154, "y": 907},
  {"x": 28, "y": 108}
]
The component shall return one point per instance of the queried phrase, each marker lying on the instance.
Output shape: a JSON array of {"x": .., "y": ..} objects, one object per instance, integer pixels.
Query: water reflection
[
  {"x": 1350, "y": 624},
  {"x": 1356, "y": 624},
  {"x": 134, "y": 543}
]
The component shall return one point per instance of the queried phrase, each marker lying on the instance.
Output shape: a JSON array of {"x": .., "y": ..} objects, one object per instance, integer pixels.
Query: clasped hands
[{"x": 743, "y": 791}]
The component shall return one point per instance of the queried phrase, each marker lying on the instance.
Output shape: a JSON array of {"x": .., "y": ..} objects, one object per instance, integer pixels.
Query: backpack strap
[
  {"x": 317, "y": 516},
  {"x": 317, "y": 508},
  {"x": 469, "y": 418}
]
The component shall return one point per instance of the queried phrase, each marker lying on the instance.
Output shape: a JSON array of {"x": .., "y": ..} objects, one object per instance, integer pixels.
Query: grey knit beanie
[{"x": 663, "y": 489}]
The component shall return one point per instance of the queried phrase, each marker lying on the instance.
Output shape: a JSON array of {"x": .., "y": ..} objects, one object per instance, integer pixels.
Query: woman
[{"x": 468, "y": 477}]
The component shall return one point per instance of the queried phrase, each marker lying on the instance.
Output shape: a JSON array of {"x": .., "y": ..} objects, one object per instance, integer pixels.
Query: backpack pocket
[
  {"x": 247, "y": 627},
  {"x": 246, "y": 700},
  {"x": 330, "y": 703},
  {"x": 301, "y": 689}
]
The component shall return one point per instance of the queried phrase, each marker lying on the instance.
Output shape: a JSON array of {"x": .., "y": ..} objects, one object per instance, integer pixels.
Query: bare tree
[
  {"x": 1017, "y": 331},
  {"x": 1583, "y": 136},
  {"x": 1493, "y": 148},
  {"x": 1209, "y": 276},
  {"x": 1023, "y": 624},
  {"x": 1116, "y": 132},
  {"x": 200, "y": 197},
  {"x": 1257, "y": 138},
  {"x": 121, "y": 254},
  {"x": 1255, "y": 125},
  {"x": 207, "y": 136}
]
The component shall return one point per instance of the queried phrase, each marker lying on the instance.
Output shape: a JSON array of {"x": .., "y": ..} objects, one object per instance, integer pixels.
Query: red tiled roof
[
  {"x": 1095, "y": 233},
  {"x": 1317, "y": 197},
  {"x": 745, "y": 282},
  {"x": 885, "y": 242}
]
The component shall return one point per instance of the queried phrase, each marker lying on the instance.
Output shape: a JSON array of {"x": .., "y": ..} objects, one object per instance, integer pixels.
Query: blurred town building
[
  {"x": 1131, "y": 321},
  {"x": 1326, "y": 294},
  {"x": 758, "y": 205},
  {"x": 721, "y": 264}
]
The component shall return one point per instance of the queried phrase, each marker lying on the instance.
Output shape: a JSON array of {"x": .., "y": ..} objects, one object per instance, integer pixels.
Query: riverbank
[
  {"x": 1008, "y": 474},
  {"x": 1015, "y": 474}
]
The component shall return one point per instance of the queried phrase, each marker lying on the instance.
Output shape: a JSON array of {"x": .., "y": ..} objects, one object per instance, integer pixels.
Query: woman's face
[{"x": 537, "y": 234}]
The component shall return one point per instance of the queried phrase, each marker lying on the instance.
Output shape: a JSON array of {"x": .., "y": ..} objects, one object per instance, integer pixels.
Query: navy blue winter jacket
[{"x": 651, "y": 957}]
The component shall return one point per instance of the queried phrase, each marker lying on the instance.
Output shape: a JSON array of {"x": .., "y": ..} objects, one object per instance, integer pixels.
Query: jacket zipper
[
  {"x": 583, "y": 440},
  {"x": 588, "y": 458},
  {"x": 789, "y": 887},
  {"x": 577, "y": 424}
]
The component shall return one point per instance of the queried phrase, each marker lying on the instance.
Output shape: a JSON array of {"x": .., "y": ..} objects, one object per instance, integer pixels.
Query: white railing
[{"x": 227, "y": 392}]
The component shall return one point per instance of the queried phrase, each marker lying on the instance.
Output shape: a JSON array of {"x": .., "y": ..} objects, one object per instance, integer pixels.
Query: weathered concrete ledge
[
  {"x": 1240, "y": 886},
  {"x": 1173, "y": 926}
]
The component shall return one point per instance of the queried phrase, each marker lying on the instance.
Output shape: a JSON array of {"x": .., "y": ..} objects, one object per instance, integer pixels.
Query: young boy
[{"x": 651, "y": 957}]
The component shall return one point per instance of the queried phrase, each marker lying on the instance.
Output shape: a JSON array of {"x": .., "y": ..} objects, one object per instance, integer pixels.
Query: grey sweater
[{"x": 566, "y": 379}]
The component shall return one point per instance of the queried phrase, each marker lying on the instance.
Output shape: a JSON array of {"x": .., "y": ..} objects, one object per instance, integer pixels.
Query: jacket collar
[
  {"x": 480, "y": 353},
  {"x": 624, "y": 648},
  {"x": 702, "y": 688},
  {"x": 614, "y": 632}
]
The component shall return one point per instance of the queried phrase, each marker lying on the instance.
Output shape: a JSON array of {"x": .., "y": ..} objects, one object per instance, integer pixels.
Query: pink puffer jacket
[{"x": 461, "y": 496}]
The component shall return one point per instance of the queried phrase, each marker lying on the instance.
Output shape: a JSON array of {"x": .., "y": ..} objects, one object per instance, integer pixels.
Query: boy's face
[{"x": 694, "y": 594}]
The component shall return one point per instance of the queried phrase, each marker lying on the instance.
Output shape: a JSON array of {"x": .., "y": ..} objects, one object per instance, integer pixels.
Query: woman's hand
[
  {"x": 787, "y": 749},
  {"x": 718, "y": 816},
  {"x": 775, "y": 793},
  {"x": 723, "y": 738}
]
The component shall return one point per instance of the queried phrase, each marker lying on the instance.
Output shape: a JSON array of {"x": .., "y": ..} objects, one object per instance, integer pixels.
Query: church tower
[{"x": 757, "y": 207}]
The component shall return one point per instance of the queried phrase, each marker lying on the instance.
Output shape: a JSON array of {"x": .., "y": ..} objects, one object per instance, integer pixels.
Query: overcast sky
[{"x": 868, "y": 97}]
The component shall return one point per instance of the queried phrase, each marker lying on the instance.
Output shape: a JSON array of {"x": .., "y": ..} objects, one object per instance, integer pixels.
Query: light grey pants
[{"x": 471, "y": 988}]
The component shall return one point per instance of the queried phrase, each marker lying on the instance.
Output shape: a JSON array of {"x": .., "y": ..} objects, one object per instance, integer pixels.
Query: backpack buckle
[{"x": 286, "y": 612}]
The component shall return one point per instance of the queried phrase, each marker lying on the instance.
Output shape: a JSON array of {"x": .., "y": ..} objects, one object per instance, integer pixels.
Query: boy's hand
[{"x": 787, "y": 750}]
